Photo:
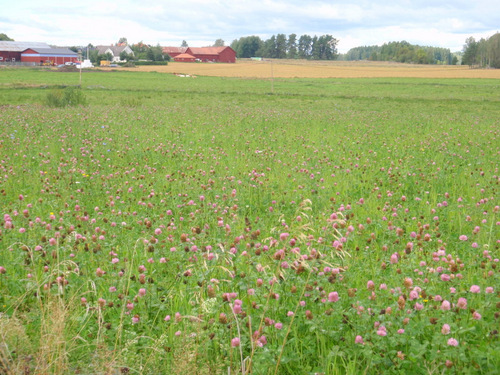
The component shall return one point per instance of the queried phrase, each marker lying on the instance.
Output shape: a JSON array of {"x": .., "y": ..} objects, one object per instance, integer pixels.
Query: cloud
[{"x": 200, "y": 22}]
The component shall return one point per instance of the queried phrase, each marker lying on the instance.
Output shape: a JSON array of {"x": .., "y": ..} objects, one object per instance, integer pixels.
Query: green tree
[
  {"x": 422, "y": 57},
  {"x": 219, "y": 43},
  {"x": 280, "y": 46},
  {"x": 292, "y": 46},
  {"x": 124, "y": 56},
  {"x": 235, "y": 44},
  {"x": 482, "y": 52},
  {"x": 156, "y": 53},
  {"x": 362, "y": 53},
  {"x": 305, "y": 47},
  {"x": 269, "y": 48},
  {"x": 248, "y": 46},
  {"x": 122, "y": 40},
  {"x": 315, "y": 48},
  {"x": 140, "y": 50},
  {"x": 139, "y": 47},
  {"x": 325, "y": 47},
  {"x": 470, "y": 50},
  {"x": 184, "y": 44},
  {"x": 93, "y": 56},
  {"x": 493, "y": 48},
  {"x": 5, "y": 38},
  {"x": 102, "y": 57},
  {"x": 401, "y": 52}
]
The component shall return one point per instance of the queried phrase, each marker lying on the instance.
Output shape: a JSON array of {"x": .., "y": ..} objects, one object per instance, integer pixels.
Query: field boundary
[{"x": 319, "y": 69}]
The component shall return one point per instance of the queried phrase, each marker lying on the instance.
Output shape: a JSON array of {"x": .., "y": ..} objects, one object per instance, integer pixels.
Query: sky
[{"x": 166, "y": 22}]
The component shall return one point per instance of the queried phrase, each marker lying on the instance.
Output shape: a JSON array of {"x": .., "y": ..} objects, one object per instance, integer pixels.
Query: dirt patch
[{"x": 67, "y": 69}]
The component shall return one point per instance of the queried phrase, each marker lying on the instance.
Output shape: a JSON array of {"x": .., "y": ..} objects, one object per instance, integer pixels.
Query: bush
[
  {"x": 151, "y": 63},
  {"x": 70, "y": 96}
]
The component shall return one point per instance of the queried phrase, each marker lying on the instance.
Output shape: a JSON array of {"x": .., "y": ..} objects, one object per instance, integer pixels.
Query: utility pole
[
  {"x": 81, "y": 62},
  {"x": 272, "y": 78}
]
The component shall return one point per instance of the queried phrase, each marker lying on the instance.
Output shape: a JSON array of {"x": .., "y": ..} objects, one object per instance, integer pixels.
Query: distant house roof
[
  {"x": 115, "y": 50},
  {"x": 21, "y": 46}
]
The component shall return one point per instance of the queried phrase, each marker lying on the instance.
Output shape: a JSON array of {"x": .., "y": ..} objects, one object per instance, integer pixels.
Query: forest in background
[
  {"x": 482, "y": 53},
  {"x": 403, "y": 52}
]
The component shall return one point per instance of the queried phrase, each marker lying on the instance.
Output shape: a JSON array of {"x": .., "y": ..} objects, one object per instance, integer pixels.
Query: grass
[{"x": 145, "y": 231}]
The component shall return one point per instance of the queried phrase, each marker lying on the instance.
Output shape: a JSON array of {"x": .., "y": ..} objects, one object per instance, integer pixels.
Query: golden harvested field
[{"x": 320, "y": 69}]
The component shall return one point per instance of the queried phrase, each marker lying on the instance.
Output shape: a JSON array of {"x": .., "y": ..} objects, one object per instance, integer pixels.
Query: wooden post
[{"x": 272, "y": 78}]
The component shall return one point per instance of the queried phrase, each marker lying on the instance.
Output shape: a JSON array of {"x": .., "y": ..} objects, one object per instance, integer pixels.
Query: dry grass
[
  {"x": 15, "y": 347},
  {"x": 320, "y": 69},
  {"x": 187, "y": 361},
  {"x": 20, "y": 354},
  {"x": 52, "y": 351}
]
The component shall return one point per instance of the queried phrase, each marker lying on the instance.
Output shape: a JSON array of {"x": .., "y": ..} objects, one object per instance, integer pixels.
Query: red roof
[
  {"x": 207, "y": 50},
  {"x": 174, "y": 49},
  {"x": 184, "y": 56}
]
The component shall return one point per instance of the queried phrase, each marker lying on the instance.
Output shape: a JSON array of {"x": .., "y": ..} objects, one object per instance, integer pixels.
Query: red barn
[
  {"x": 10, "y": 52},
  {"x": 174, "y": 51},
  {"x": 213, "y": 54},
  {"x": 52, "y": 56}
]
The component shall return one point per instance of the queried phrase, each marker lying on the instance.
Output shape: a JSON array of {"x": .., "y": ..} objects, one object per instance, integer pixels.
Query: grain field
[{"x": 320, "y": 69}]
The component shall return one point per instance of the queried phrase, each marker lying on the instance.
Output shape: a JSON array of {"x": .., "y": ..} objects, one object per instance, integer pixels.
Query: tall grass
[{"x": 59, "y": 98}]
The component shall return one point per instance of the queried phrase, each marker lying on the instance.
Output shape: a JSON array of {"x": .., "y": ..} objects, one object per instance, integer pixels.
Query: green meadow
[{"x": 155, "y": 224}]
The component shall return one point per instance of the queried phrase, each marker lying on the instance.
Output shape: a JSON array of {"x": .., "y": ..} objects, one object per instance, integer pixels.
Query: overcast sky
[{"x": 354, "y": 23}]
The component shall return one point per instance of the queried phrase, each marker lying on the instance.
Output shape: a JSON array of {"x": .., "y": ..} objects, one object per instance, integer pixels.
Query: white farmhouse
[{"x": 115, "y": 51}]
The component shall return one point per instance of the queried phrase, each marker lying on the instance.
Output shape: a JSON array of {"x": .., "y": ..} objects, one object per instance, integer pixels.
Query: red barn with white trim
[{"x": 53, "y": 56}]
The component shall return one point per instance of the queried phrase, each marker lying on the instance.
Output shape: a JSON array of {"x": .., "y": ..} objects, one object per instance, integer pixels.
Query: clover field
[{"x": 221, "y": 225}]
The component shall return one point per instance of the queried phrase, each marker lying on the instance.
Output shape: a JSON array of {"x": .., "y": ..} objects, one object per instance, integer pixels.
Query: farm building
[
  {"x": 52, "y": 56},
  {"x": 213, "y": 54},
  {"x": 174, "y": 51},
  {"x": 204, "y": 54},
  {"x": 185, "y": 57},
  {"x": 115, "y": 51},
  {"x": 11, "y": 51}
]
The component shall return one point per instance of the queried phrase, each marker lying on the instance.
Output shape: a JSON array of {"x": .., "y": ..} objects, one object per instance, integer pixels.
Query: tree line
[
  {"x": 280, "y": 46},
  {"x": 482, "y": 53},
  {"x": 403, "y": 52}
]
